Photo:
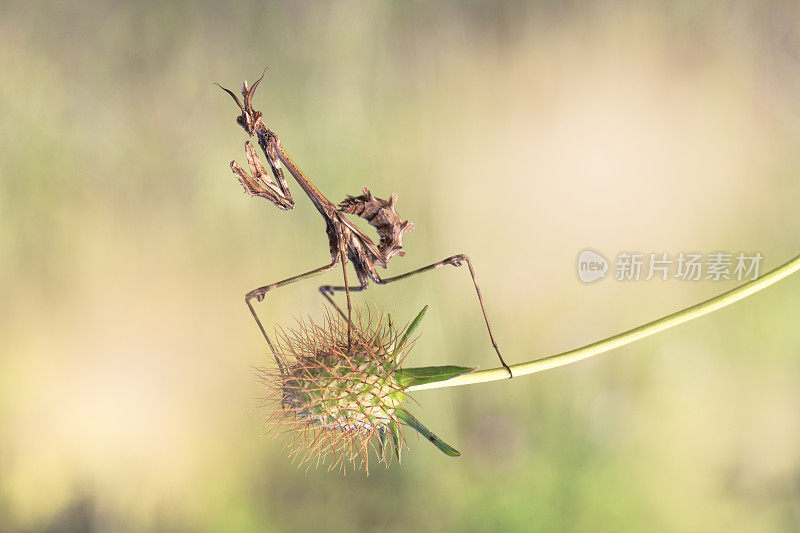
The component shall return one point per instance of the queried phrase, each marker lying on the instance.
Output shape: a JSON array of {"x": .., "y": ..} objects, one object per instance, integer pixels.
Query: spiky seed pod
[
  {"x": 337, "y": 396},
  {"x": 335, "y": 399}
]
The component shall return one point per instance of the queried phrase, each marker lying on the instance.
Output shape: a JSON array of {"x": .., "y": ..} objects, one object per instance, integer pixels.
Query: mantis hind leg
[{"x": 455, "y": 260}]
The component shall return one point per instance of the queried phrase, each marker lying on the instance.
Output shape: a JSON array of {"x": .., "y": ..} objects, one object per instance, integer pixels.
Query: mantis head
[{"x": 249, "y": 117}]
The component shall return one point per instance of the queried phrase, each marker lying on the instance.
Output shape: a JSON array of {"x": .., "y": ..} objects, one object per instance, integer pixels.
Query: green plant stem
[{"x": 605, "y": 345}]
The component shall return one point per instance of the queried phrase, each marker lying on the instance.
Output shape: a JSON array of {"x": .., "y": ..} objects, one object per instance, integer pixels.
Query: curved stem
[{"x": 635, "y": 334}]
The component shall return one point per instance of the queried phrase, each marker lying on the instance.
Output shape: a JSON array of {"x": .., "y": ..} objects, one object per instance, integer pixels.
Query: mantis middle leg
[{"x": 259, "y": 293}]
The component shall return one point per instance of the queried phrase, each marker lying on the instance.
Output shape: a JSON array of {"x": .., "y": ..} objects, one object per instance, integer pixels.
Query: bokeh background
[{"x": 517, "y": 132}]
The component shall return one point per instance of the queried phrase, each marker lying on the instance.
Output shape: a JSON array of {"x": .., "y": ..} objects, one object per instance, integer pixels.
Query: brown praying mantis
[{"x": 347, "y": 241}]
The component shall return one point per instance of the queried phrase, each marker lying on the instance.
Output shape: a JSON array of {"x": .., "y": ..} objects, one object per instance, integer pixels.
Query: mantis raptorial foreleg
[{"x": 260, "y": 184}]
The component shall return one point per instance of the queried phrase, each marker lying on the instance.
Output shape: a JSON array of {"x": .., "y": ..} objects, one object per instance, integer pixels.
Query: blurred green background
[{"x": 517, "y": 132}]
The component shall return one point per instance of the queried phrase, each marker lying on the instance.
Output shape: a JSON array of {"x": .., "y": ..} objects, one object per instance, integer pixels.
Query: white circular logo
[{"x": 591, "y": 266}]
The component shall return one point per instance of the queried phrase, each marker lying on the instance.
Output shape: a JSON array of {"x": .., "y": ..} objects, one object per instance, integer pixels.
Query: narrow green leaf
[
  {"x": 395, "y": 431},
  {"x": 429, "y": 374},
  {"x": 382, "y": 444},
  {"x": 409, "y": 330},
  {"x": 409, "y": 420}
]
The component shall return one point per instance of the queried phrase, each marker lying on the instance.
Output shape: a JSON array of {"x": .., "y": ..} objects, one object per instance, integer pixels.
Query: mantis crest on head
[{"x": 347, "y": 242}]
